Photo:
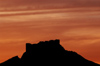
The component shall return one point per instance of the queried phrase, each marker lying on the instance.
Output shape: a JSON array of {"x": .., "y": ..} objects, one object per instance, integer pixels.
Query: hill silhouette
[{"x": 49, "y": 53}]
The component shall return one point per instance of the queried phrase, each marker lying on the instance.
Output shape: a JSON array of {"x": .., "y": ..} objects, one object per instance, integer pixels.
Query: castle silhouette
[{"x": 49, "y": 53}]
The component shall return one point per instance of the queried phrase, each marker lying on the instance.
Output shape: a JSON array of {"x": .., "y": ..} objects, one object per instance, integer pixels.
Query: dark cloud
[{"x": 38, "y": 4}]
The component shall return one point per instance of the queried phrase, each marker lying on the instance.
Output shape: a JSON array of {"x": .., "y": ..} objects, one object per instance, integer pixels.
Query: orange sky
[{"x": 77, "y": 27}]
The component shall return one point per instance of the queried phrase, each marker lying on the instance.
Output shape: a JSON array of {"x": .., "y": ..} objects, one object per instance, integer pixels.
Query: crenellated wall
[{"x": 41, "y": 44}]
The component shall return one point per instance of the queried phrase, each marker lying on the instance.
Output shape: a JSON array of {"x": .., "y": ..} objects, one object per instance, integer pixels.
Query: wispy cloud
[
  {"x": 77, "y": 28},
  {"x": 46, "y": 4}
]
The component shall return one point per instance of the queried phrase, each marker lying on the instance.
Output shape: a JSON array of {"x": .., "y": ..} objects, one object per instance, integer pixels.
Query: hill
[{"x": 49, "y": 53}]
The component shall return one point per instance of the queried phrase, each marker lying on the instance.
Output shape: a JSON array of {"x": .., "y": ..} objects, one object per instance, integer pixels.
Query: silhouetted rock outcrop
[
  {"x": 49, "y": 53},
  {"x": 13, "y": 61}
]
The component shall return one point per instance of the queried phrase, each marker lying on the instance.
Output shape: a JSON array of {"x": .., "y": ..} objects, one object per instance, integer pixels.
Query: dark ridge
[
  {"x": 13, "y": 61},
  {"x": 49, "y": 53}
]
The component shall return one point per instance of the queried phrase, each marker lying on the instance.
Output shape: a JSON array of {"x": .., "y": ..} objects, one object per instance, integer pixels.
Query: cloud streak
[
  {"x": 46, "y": 4},
  {"x": 78, "y": 30},
  {"x": 75, "y": 22}
]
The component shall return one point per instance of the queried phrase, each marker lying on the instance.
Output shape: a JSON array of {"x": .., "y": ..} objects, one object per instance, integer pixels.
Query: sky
[
  {"x": 45, "y": 4},
  {"x": 75, "y": 22}
]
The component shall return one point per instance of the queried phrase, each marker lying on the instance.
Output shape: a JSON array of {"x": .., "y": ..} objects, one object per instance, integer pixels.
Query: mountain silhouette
[{"x": 49, "y": 53}]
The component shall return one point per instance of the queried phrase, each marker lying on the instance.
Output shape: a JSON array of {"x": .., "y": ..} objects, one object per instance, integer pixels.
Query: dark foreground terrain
[{"x": 48, "y": 53}]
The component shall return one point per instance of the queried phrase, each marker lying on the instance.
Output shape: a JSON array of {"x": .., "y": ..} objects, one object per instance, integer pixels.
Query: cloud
[
  {"x": 78, "y": 30},
  {"x": 45, "y": 4}
]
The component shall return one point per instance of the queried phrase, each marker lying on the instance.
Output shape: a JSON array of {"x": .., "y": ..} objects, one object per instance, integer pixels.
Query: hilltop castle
[
  {"x": 52, "y": 44},
  {"x": 48, "y": 52}
]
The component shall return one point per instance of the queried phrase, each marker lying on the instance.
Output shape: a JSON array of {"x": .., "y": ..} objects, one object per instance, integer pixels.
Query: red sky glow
[{"x": 75, "y": 22}]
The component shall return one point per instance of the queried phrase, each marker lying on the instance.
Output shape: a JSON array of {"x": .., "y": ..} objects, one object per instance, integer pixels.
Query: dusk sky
[{"x": 75, "y": 22}]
